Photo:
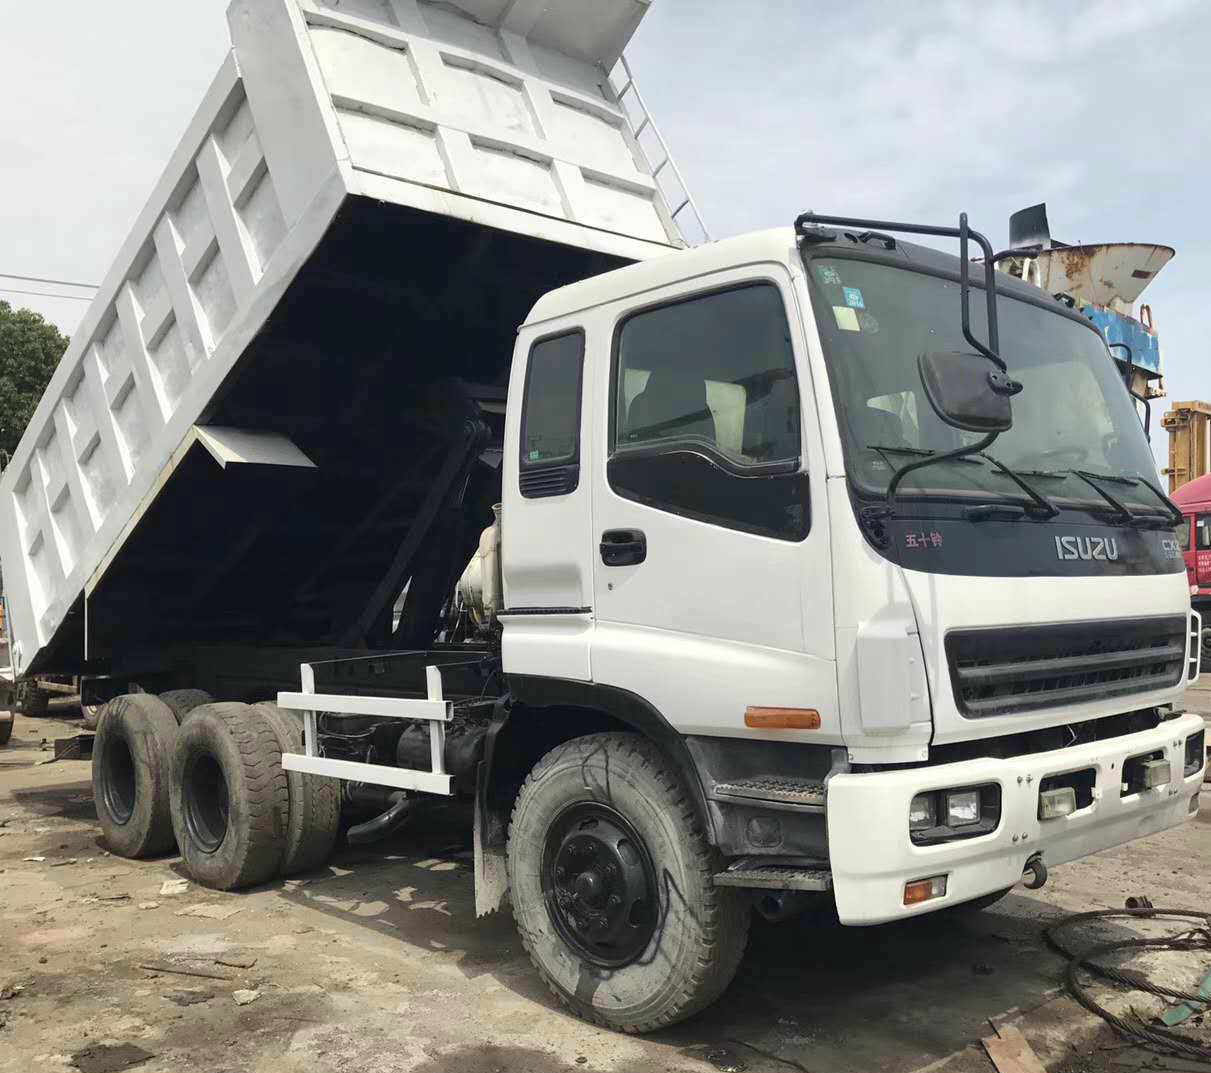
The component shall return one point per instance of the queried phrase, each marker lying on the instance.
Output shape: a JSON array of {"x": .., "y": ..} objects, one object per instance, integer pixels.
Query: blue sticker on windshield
[{"x": 853, "y": 298}]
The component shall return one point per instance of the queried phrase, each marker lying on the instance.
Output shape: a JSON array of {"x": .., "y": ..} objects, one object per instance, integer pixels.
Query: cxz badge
[
  {"x": 1103, "y": 549},
  {"x": 1171, "y": 548}
]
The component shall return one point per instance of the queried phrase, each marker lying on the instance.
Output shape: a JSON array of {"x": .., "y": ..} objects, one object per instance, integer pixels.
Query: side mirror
[{"x": 968, "y": 391}]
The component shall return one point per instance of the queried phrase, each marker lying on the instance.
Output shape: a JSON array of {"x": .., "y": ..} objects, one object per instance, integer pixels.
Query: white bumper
[{"x": 873, "y": 858}]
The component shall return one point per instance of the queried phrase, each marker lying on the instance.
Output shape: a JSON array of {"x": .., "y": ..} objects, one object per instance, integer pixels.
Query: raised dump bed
[{"x": 284, "y": 363}]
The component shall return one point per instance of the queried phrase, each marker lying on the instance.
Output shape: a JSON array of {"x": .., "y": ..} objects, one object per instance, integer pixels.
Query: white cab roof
[{"x": 775, "y": 245}]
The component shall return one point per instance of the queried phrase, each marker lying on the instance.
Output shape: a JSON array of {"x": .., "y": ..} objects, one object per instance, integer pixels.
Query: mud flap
[{"x": 491, "y": 868}]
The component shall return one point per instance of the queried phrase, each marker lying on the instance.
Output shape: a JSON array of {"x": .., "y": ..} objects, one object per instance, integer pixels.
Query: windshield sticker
[
  {"x": 828, "y": 275},
  {"x": 868, "y": 322},
  {"x": 853, "y": 297},
  {"x": 923, "y": 540},
  {"x": 847, "y": 319}
]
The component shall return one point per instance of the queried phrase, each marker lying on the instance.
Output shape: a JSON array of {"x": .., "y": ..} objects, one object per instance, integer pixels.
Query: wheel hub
[
  {"x": 205, "y": 803},
  {"x": 600, "y": 885}
]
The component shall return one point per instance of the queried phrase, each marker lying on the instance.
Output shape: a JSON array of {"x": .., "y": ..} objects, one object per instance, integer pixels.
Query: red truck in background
[{"x": 1194, "y": 537}]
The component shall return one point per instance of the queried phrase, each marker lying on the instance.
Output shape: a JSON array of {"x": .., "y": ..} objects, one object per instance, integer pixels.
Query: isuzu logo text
[{"x": 1074, "y": 547}]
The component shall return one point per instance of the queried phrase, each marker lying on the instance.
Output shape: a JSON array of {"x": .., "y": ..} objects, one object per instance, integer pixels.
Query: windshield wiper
[
  {"x": 976, "y": 513},
  {"x": 924, "y": 452},
  {"x": 1049, "y": 509},
  {"x": 1125, "y": 513}
]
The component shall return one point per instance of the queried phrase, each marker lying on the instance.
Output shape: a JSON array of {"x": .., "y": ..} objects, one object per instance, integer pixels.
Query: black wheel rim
[
  {"x": 119, "y": 788},
  {"x": 599, "y": 884},
  {"x": 205, "y": 803}
]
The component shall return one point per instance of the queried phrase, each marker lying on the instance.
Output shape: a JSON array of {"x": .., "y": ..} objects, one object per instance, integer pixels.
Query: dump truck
[{"x": 409, "y": 454}]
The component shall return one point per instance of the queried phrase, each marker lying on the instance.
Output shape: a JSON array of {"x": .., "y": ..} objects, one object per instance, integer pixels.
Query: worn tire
[
  {"x": 229, "y": 796},
  {"x": 131, "y": 765},
  {"x": 315, "y": 802},
  {"x": 701, "y": 930},
  {"x": 7, "y": 720},
  {"x": 183, "y": 701},
  {"x": 34, "y": 703}
]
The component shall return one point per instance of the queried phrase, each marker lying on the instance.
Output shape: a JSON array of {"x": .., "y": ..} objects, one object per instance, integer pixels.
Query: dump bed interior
[
  {"x": 301, "y": 352},
  {"x": 377, "y": 379}
]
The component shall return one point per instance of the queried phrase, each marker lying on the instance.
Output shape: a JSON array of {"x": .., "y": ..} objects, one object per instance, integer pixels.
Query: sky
[{"x": 870, "y": 109}]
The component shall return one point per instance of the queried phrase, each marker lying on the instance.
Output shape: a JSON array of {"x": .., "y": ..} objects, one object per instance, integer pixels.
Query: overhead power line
[
  {"x": 46, "y": 294},
  {"x": 52, "y": 282}
]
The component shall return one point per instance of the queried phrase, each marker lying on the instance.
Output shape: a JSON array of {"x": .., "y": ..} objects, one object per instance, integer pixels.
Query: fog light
[
  {"x": 923, "y": 812},
  {"x": 1056, "y": 803},
  {"x": 1156, "y": 773},
  {"x": 963, "y": 808},
  {"x": 923, "y": 890}
]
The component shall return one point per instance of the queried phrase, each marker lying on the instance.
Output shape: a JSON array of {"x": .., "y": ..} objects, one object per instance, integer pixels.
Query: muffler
[{"x": 779, "y": 905}]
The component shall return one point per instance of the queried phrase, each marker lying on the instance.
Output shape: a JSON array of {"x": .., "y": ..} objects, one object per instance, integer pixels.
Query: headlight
[
  {"x": 962, "y": 808},
  {"x": 947, "y": 815},
  {"x": 923, "y": 813}
]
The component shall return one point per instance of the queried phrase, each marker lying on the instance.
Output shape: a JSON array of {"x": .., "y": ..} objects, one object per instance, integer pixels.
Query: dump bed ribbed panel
[{"x": 497, "y": 114}]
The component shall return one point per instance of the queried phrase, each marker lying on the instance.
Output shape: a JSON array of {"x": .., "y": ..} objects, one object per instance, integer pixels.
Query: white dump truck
[{"x": 407, "y": 454}]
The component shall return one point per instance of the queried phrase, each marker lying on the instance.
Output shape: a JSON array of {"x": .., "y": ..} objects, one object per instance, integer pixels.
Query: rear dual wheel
[
  {"x": 230, "y": 803},
  {"x": 213, "y": 784},
  {"x": 132, "y": 754}
]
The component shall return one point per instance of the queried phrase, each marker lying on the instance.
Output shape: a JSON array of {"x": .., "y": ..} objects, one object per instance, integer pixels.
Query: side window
[
  {"x": 705, "y": 400},
  {"x": 550, "y": 417},
  {"x": 1182, "y": 532},
  {"x": 1202, "y": 532}
]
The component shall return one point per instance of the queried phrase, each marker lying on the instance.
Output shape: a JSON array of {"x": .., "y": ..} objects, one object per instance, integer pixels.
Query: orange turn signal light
[
  {"x": 782, "y": 718},
  {"x": 922, "y": 890}
]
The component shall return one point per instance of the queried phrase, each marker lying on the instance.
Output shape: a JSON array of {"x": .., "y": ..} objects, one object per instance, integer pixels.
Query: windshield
[{"x": 1073, "y": 412}]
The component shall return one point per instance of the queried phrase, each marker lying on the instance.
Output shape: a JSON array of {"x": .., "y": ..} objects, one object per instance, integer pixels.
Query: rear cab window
[{"x": 550, "y": 417}]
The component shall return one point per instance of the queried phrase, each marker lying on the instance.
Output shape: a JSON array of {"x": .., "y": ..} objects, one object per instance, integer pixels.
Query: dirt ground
[{"x": 378, "y": 964}]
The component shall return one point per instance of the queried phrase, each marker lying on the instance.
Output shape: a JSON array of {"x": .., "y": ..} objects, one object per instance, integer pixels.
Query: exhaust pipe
[
  {"x": 1034, "y": 875},
  {"x": 779, "y": 905},
  {"x": 386, "y": 824}
]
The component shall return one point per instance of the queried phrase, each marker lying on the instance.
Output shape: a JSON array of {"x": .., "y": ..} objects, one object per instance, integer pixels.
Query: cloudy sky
[{"x": 909, "y": 111}]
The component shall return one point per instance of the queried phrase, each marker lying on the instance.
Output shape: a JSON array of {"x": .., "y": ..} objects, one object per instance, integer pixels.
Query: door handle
[{"x": 623, "y": 547}]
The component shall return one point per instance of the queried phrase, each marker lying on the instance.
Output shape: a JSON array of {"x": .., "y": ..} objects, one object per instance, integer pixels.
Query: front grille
[{"x": 1023, "y": 668}]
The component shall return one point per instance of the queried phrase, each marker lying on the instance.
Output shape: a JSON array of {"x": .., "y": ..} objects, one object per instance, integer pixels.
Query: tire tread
[{"x": 725, "y": 919}]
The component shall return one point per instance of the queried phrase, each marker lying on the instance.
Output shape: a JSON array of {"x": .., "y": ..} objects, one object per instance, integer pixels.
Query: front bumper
[{"x": 873, "y": 858}]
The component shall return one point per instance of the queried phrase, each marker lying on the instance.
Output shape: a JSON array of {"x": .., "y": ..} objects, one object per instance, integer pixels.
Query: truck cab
[{"x": 951, "y": 687}]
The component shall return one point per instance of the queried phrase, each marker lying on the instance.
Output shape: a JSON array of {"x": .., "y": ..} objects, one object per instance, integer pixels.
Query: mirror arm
[
  {"x": 806, "y": 221},
  {"x": 991, "y": 351},
  {"x": 960, "y": 452},
  {"x": 1127, "y": 381}
]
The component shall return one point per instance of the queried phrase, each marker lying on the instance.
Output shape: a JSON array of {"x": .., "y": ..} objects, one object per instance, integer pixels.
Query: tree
[{"x": 30, "y": 348}]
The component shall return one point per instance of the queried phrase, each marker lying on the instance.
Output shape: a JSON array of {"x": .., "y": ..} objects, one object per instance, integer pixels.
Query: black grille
[{"x": 1020, "y": 669}]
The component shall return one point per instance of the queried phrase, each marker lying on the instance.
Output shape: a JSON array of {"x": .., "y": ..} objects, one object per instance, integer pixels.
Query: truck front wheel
[{"x": 611, "y": 881}]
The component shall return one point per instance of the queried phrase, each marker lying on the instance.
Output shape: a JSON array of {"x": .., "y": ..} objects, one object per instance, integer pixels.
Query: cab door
[
  {"x": 712, "y": 582},
  {"x": 547, "y": 569}
]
